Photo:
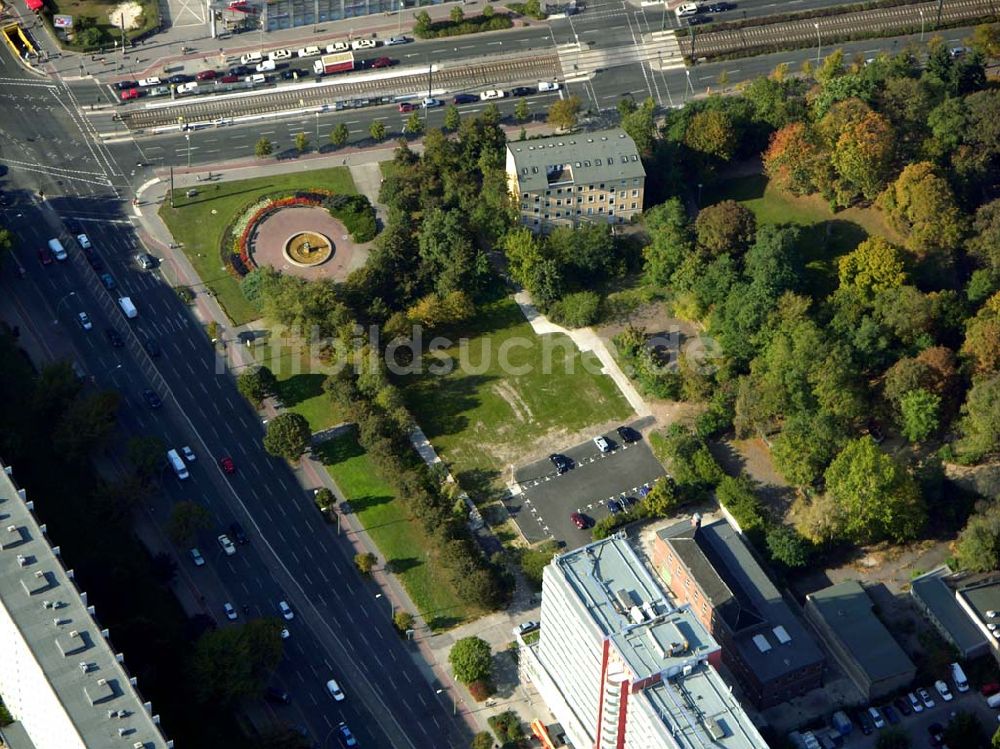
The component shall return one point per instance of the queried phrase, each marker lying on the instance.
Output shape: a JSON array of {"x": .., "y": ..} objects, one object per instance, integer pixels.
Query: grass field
[
  {"x": 400, "y": 538},
  {"x": 826, "y": 235},
  {"x": 483, "y": 416},
  {"x": 198, "y": 223},
  {"x": 300, "y": 383}
]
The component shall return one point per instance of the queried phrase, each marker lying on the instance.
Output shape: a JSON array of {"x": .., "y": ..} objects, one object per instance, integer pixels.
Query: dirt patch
[
  {"x": 129, "y": 14},
  {"x": 522, "y": 412}
]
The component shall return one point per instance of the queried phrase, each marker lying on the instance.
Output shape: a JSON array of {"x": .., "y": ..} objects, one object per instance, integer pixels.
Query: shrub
[
  {"x": 576, "y": 310},
  {"x": 737, "y": 495},
  {"x": 471, "y": 659},
  {"x": 507, "y": 727},
  {"x": 357, "y": 214},
  {"x": 324, "y": 498},
  {"x": 533, "y": 561},
  {"x": 365, "y": 563},
  {"x": 403, "y": 621},
  {"x": 480, "y": 690}
]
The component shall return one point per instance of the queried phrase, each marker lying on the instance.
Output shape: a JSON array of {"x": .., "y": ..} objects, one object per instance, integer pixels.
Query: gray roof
[
  {"x": 933, "y": 592},
  {"x": 983, "y": 597},
  {"x": 575, "y": 159},
  {"x": 60, "y": 637},
  {"x": 847, "y": 610},
  {"x": 745, "y": 598}
]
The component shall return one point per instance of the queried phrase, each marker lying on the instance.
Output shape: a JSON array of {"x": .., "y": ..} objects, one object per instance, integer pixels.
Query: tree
[
  {"x": 994, "y": 743},
  {"x": 457, "y": 15},
  {"x": 921, "y": 206},
  {"x": 873, "y": 266},
  {"x": 563, "y": 113},
  {"x": 186, "y": 519},
  {"x": 964, "y": 729},
  {"x": 521, "y": 110},
  {"x": 984, "y": 244},
  {"x": 471, "y": 660},
  {"x": 422, "y": 23},
  {"x": 863, "y": 158},
  {"x": 978, "y": 545},
  {"x": 263, "y": 148},
  {"x": 403, "y": 620},
  {"x": 787, "y": 547},
  {"x": 640, "y": 126},
  {"x": 873, "y": 494},
  {"x": 235, "y": 662},
  {"x": 795, "y": 159},
  {"x": 452, "y": 118},
  {"x": 414, "y": 125},
  {"x": 893, "y": 739},
  {"x": 288, "y": 436},
  {"x": 533, "y": 561},
  {"x": 339, "y": 134},
  {"x": 806, "y": 445},
  {"x": 145, "y": 454},
  {"x": 377, "y": 131},
  {"x": 86, "y": 424},
  {"x": 324, "y": 498},
  {"x": 727, "y": 227},
  {"x": 986, "y": 41},
  {"x": 256, "y": 384},
  {"x": 713, "y": 133},
  {"x": 301, "y": 141},
  {"x": 365, "y": 563},
  {"x": 670, "y": 241},
  {"x": 982, "y": 337},
  {"x": 484, "y": 740},
  {"x": 919, "y": 417},
  {"x": 980, "y": 422},
  {"x": 7, "y": 240},
  {"x": 488, "y": 11}
]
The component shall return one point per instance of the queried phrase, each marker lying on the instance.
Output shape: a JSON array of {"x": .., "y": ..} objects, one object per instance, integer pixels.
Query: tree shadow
[
  {"x": 341, "y": 448},
  {"x": 400, "y": 565},
  {"x": 300, "y": 387},
  {"x": 481, "y": 484},
  {"x": 441, "y": 405},
  {"x": 369, "y": 501},
  {"x": 820, "y": 246}
]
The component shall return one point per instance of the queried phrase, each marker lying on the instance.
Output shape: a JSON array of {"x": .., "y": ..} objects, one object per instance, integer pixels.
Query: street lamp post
[
  {"x": 317, "y": 129},
  {"x": 454, "y": 702},
  {"x": 392, "y": 606},
  {"x": 187, "y": 137},
  {"x": 399, "y": 28},
  {"x": 819, "y": 44},
  {"x": 921, "y": 25},
  {"x": 59, "y": 304},
  {"x": 690, "y": 85}
]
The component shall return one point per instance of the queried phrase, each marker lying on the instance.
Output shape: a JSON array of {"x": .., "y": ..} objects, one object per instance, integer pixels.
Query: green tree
[
  {"x": 982, "y": 337},
  {"x": 873, "y": 494},
  {"x": 670, "y": 241},
  {"x": 521, "y": 110},
  {"x": 726, "y": 227},
  {"x": 533, "y": 561},
  {"x": 256, "y": 384},
  {"x": 87, "y": 424},
  {"x": 806, "y": 445},
  {"x": 488, "y": 11},
  {"x": 563, "y": 113},
  {"x": 145, "y": 455},
  {"x": 422, "y": 23},
  {"x": 414, "y": 125},
  {"x": 234, "y": 662},
  {"x": 964, "y": 729},
  {"x": 339, "y": 134},
  {"x": 457, "y": 15},
  {"x": 324, "y": 498},
  {"x": 365, "y": 562},
  {"x": 377, "y": 131},
  {"x": 301, "y": 141},
  {"x": 787, "y": 547},
  {"x": 403, "y": 620},
  {"x": 288, "y": 436},
  {"x": 873, "y": 266},
  {"x": 920, "y": 204},
  {"x": 7, "y": 240},
  {"x": 919, "y": 417},
  {"x": 980, "y": 422},
  {"x": 471, "y": 660},
  {"x": 978, "y": 545},
  {"x": 863, "y": 158},
  {"x": 186, "y": 519},
  {"x": 484, "y": 740},
  {"x": 640, "y": 126},
  {"x": 984, "y": 244},
  {"x": 452, "y": 118},
  {"x": 263, "y": 148},
  {"x": 712, "y": 132},
  {"x": 796, "y": 159},
  {"x": 533, "y": 8},
  {"x": 663, "y": 499}
]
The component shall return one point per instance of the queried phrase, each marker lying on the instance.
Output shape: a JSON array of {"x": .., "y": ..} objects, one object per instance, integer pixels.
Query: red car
[
  {"x": 406, "y": 107},
  {"x": 580, "y": 521},
  {"x": 230, "y": 79},
  {"x": 205, "y": 75},
  {"x": 45, "y": 255},
  {"x": 382, "y": 62},
  {"x": 130, "y": 93},
  {"x": 227, "y": 465},
  {"x": 990, "y": 689}
]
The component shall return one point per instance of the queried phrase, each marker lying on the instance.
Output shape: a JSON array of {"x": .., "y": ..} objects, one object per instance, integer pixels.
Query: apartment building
[
  {"x": 620, "y": 667},
  {"x": 583, "y": 177},
  {"x": 60, "y": 677}
]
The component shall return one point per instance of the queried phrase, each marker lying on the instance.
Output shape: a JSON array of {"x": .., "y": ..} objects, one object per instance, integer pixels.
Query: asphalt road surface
[{"x": 340, "y": 630}]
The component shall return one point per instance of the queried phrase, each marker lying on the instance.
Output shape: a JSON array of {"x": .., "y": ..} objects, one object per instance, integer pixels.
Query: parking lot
[{"x": 542, "y": 510}]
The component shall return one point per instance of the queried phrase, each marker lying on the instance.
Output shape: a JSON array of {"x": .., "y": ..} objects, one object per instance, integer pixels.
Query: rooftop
[
  {"x": 652, "y": 637},
  {"x": 847, "y": 610},
  {"x": 60, "y": 633},
  {"x": 771, "y": 639},
  {"x": 578, "y": 158},
  {"x": 983, "y": 597},
  {"x": 934, "y": 592}
]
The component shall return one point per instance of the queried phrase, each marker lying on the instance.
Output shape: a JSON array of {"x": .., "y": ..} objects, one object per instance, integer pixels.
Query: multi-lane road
[{"x": 340, "y": 630}]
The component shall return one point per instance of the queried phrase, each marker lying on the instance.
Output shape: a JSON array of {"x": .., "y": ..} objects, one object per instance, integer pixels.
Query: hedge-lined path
[{"x": 272, "y": 233}]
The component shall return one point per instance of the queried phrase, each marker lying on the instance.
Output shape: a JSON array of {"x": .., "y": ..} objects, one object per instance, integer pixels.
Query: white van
[
  {"x": 251, "y": 58},
  {"x": 127, "y": 307},
  {"x": 177, "y": 464},
  {"x": 687, "y": 9},
  {"x": 958, "y": 676},
  {"x": 548, "y": 86},
  {"x": 57, "y": 249}
]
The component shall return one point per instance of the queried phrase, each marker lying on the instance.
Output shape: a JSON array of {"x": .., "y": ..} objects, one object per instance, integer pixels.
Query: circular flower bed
[{"x": 307, "y": 248}]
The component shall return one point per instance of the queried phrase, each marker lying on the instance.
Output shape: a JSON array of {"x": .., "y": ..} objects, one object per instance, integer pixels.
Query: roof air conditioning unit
[
  {"x": 47, "y": 605},
  {"x": 11, "y": 528},
  {"x": 74, "y": 633},
  {"x": 21, "y": 560},
  {"x": 122, "y": 732},
  {"x": 101, "y": 682},
  {"x": 990, "y": 613},
  {"x": 39, "y": 574}
]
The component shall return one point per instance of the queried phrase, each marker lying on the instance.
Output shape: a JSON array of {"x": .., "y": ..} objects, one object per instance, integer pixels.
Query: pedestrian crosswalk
[{"x": 658, "y": 49}]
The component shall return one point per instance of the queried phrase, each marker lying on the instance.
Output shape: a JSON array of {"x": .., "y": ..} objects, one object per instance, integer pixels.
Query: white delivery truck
[
  {"x": 177, "y": 464},
  {"x": 958, "y": 677},
  {"x": 128, "y": 309}
]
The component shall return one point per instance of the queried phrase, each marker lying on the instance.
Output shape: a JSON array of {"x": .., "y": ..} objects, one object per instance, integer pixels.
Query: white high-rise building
[
  {"x": 59, "y": 678},
  {"x": 622, "y": 668}
]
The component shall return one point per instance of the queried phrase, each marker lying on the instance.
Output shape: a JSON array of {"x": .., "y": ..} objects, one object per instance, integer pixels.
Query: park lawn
[
  {"x": 198, "y": 223},
  {"x": 826, "y": 235},
  {"x": 481, "y": 419},
  {"x": 300, "y": 382},
  {"x": 399, "y": 537}
]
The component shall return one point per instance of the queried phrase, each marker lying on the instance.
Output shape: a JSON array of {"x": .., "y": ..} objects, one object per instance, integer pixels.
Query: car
[
  {"x": 231, "y": 614},
  {"x": 890, "y": 714},
  {"x": 916, "y": 704},
  {"x": 266, "y": 66},
  {"x": 122, "y": 85},
  {"x": 547, "y": 86},
  {"x": 227, "y": 465},
  {"x": 335, "y": 691},
  {"x": 525, "y": 627},
  {"x": 602, "y": 443},
  {"x": 151, "y": 398},
  {"x": 145, "y": 260},
  {"x": 958, "y": 51},
  {"x": 430, "y": 103},
  {"x": 279, "y": 54},
  {"x": 257, "y": 79},
  {"x": 628, "y": 435},
  {"x": 309, "y": 52},
  {"x": 238, "y": 533},
  {"x": 337, "y": 47},
  {"x": 226, "y": 544},
  {"x": 493, "y": 93},
  {"x": 147, "y": 82},
  {"x": 936, "y": 732},
  {"x": 151, "y": 346},
  {"x": 158, "y": 91},
  {"x": 926, "y": 698},
  {"x": 286, "y": 611},
  {"x": 522, "y": 91},
  {"x": 627, "y": 500},
  {"x": 196, "y": 557},
  {"x": 205, "y": 75},
  {"x": 276, "y": 694},
  {"x": 83, "y": 240},
  {"x": 178, "y": 79},
  {"x": 382, "y": 62},
  {"x": 346, "y": 737},
  {"x": 465, "y": 99},
  {"x": 876, "y": 716},
  {"x": 903, "y": 705},
  {"x": 614, "y": 507},
  {"x": 84, "y": 320},
  {"x": 92, "y": 258},
  {"x": 989, "y": 689},
  {"x": 114, "y": 338},
  {"x": 240, "y": 70},
  {"x": 561, "y": 462},
  {"x": 251, "y": 58},
  {"x": 229, "y": 78},
  {"x": 285, "y": 634},
  {"x": 188, "y": 454},
  {"x": 698, "y": 20},
  {"x": 287, "y": 75},
  {"x": 719, "y": 7},
  {"x": 108, "y": 281},
  {"x": 364, "y": 44},
  {"x": 394, "y": 40},
  {"x": 405, "y": 106},
  {"x": 865, "y": 722},
  {"x": 580, "y": 520},
  {"x": 943, "y": 690},
  {"x": 45, "y": 256}
]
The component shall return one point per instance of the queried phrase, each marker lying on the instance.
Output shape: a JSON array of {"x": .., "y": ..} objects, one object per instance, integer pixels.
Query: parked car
[
  {"x": 45, "y": 256},
  {"x": 286, "y": 611},
  {"x": 229, "y": 78},
  {"x": 989, "y": 689},
  {"x": 151, "y": 398},
  {"x": 393, "y": 40},
  {"x": 151, "y": 81},
  {"x": 238, "y": 533},
  {"x": 114, "y": 338},
  {"x": 92, "y": 258},
  {"x": 231, "y": 614},
  {"x": 84, "y": 320},
  {"x": 309, "y": 52},
  {"x": 926, "y": 698},
  {"x": 405, "y": 106},
  {"x": 188, "y": 454},
  {"x": 525, "y": 627},
  {"x": 890, "y": 714},
  {"x": 903, "y": 705},
  {"x": 178, "y": 79},
  {"x": 240, "y": 70},
  {"x": 493, "y": 93},
  {"x": 382, "y": 62},
  {"x": 287, "y": 75},
  {"x": 266, "y": 66},
  {"x": 151, "y": 346},
  {"x": 936, "y": 732},
  {"x": 108, "y": 281},
  {"x": 251, "y": 58},
  {"x": 196, "y": 557},
  {"x": 876, "y": 716},
  {"x": 279, "y": 54},
  {"x": 561, "y": 462},
  {"x": 865, "y": 722},
  {"x": 227, "y": 465},
  {"x": 522, "y": 91},
  {"x": 915, "y": 703},
  {"x": 465, "y": 99},
  {"x": 364, "y": 44},
  {"x": 122, "y": 85},
  {"x": 628, "y": 435},
  {"x": 430, "y": 103},
  {"x": 943, "y": 690},
  {"x": 335, "y": 691},
  {"x": 226, "y": 544},
  {"x": 614, "y": 507},
  {"x": 346, "y": 737},
  {"x": 145, "y": 260},
  {"x": 580, "y": 520},
  {"x": 206, "y": 75},
  {"x": 602, "y": 443}
]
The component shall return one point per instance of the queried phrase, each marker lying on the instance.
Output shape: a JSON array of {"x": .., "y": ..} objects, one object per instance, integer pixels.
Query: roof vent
[
  {"x": 74, "y": 633},
  {"x": 761, "y": 642},
  {"x": 687, "y": 670},
  {"x": 635, "y": 613},
  {"x": 48, "y": 605},
  {"x": 11, "y": 528},
  {"x": 138, "y": 745},
  {"x": 84, "y": 666},
  {"x": 782, "y": 634},
  {"x": 21, "y": 560},
  {"x": 990, "y": 613},
  {"x": 101, "y": 682}
]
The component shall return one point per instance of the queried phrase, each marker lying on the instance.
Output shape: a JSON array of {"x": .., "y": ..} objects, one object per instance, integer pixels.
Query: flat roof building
[
  {"x": 581, "y": 177},
  {"x": 864, "y": 648},
  {"x": 59, "y": 676},
  {"x": 981, "y": 602},
  {"x": 764, "y": 643},
  {"x": 938, "y": 593},
  {"x": 620, "y": 667}
]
